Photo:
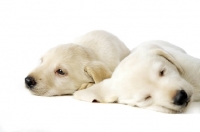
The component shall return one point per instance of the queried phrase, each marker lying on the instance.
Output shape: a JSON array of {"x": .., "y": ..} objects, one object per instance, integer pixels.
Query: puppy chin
[
  {"x": 39, "y": 92},
  {"x": 56, "y": 92}
]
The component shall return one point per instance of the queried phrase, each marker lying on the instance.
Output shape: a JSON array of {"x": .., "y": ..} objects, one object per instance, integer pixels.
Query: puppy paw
[{"x": 85, "y": 95}]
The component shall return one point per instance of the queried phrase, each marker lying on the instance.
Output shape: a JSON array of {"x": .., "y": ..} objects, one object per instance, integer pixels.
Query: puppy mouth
[
  {"x": 177, "y": 109},
  {"x": 39, "y": 92},
  {"x": 172, "y": 110},
  {"x": 187, "y": 102}
]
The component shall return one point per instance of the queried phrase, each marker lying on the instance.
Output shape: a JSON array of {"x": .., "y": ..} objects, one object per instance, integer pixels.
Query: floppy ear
[
  {"x": 97, "y": 71},
  {"x": 161, "y": 52},
  {"x": 86, "y": 85}
]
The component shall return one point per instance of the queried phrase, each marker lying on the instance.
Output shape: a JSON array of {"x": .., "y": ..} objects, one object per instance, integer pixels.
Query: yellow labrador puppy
[
  {"x": 156, "y": 75},
  {"x": 71, "y": 67}
]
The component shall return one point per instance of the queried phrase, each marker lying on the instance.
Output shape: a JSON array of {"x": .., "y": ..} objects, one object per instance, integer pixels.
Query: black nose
[
  {"x": 30, "y": 82},
  {"x": 181, "y": 98}
]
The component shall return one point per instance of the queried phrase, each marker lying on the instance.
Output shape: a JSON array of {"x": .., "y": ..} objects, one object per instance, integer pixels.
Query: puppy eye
[
  {"x": 59, "y": 71},
  {"x": 148, "y": 97},
  {"x": 162, "y": 72}
]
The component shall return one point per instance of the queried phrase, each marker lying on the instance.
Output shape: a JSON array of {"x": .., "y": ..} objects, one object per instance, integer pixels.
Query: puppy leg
[{"x": 99, "y": 92}]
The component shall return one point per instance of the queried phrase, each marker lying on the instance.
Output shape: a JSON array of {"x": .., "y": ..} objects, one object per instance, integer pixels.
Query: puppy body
[
  {"x": 70, "y": 67},
  {"x": 156, "y": 75},
  {"x": 106, "y": 48}
]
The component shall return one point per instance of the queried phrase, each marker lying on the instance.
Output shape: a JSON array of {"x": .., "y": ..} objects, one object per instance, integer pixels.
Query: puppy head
[
  {"x": 62, "y": 71},
  {"x": 152, "y": 79}
]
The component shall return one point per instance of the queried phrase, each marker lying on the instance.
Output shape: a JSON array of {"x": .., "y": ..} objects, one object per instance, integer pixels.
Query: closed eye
[
  {"x": 148, "y": 97},
  {"x": 162, "y": 72}
]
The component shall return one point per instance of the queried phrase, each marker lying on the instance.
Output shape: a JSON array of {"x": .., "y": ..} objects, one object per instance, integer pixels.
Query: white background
[{"x": 28, "y": 28}]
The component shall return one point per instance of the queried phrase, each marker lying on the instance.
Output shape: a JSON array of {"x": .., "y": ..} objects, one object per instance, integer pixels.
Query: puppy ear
[
  {"x": 97, "y": 71},
  {"x": 161, "y": 52},
  {"x": 86, "y": 85}
]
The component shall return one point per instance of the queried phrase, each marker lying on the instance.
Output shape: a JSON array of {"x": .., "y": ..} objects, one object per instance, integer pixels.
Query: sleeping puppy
[
  {"x": 156, "y": 75},
  {"x": 71, "y": 67}
]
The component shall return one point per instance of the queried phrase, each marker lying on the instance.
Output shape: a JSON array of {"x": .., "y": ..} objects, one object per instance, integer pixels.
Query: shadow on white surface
[{"x": 23, "y": 112}]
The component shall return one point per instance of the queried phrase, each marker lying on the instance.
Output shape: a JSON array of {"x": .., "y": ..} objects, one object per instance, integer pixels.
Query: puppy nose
[
  {"x": 181, "y": 98},
  {"x": 30, "y": 82}
]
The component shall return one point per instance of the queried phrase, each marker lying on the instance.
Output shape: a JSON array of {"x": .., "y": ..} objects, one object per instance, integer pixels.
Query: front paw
[{"x": 84, "y": 95}]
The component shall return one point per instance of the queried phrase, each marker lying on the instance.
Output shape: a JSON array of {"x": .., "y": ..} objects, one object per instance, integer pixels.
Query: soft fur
[
  {"x": 150, "y": 78},
  {"x": 71, "y": 67}
]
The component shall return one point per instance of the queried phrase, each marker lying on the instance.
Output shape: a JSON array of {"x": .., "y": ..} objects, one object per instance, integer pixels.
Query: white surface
[{"x": 30, "y": 28}]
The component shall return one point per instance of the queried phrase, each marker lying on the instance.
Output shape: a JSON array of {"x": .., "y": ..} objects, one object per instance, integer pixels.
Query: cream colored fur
[
  {"x": 89, "y": 60},
  {"x": 137, "y": 81}
]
